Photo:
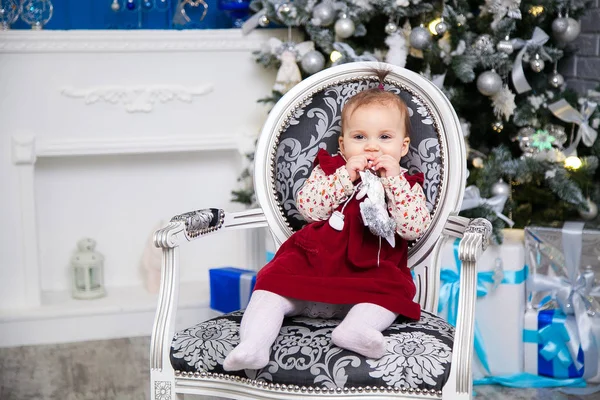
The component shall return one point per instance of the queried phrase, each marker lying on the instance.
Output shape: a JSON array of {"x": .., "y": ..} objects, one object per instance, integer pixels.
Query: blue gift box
[
  {"x": 230, "y": 288},
  {"x": 551, "y": 345}
]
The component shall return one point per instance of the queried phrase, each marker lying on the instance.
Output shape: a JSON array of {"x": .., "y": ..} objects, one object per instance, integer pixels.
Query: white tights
[{"x": 360, "y": 330}]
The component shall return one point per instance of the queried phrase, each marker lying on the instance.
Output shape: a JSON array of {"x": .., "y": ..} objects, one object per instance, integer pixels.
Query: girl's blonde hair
[{"x": 377, "y": 96}]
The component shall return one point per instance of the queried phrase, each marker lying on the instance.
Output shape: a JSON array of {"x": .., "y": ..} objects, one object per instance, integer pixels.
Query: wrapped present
[
  {"x": 230, "y": 288},
  {"x": 500, "y": 304},
  {"x": 551, "y": 344},
  {"x": 562, "y": 281}
]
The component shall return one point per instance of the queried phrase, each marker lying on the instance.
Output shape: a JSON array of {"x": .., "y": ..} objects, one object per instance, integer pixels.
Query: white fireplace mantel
[{"x": 104, "y": 134}]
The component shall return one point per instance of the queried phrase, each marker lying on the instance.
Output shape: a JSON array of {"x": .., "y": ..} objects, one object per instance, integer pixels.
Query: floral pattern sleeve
[
  {"x": 407, "y": 206},
  {"x": 321, "y": 194}
]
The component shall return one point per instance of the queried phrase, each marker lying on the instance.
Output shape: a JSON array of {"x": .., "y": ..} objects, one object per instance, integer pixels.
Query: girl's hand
[
  {"x": 387, "y": 166},
  {"x": 355, "y": 164}
]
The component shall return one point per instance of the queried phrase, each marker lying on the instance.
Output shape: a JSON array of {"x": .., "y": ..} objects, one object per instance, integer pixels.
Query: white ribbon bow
[
  {"x": 565, "y": 112},
  {"x": 472, "y": 199},
  {"x": 538, "y": 38}
]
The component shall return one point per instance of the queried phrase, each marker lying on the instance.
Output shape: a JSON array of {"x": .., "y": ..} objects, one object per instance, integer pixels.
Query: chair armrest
[
  {"x": 193, "y": 224},
  {"x": 475, "y": 240},
  {"x": 188, "y": 226}
]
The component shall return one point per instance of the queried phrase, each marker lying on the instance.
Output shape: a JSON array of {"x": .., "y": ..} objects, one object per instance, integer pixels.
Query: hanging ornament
[
  {"x": 591, "y": 212},
  {"x": 558, "y": 133},
  {"x": 420, "y": 38},
  {"x": 285, "y": 11},
  {"x": 344, "y": 27},
  {"x": 323, "y": 14},
  {"x": 556, "y": 80},
  {"x": 489, "y": 83},
  {"x": 289, "y": 53},
  {"x": 497, "y": 126},
  {"x": 501, "y": 188},
  {"x": 505, "y": 46},
  {"x": 441, "y": 27},
  {"x": 559, "y": 26},
  {"x": 524, "y": 139},
  {"x": 36, "y": 13},
  {"x": 537, "y": 64},
  {"x": 504, "y": 103},
  {"x": 391, "y": 28},
  {"x": 9, "y": 13},
  {"x": 312, "y": 62},
  {"x": 542, "y": 140},
  {"x": 263, "y": 21},
  {"x": 571, "y": 33},
  {"x": 478, "y": 162},
  {"x": 288, "y": 74},
  {"x": 115, "y": 6},
  {"x": 147, "y": 5},
  {"x": 484, "y": 44},
  {"x": 130, "y": 5}
]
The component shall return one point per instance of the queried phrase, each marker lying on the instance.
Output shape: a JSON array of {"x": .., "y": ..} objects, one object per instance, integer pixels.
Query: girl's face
[{"x": 374, "y": 130}]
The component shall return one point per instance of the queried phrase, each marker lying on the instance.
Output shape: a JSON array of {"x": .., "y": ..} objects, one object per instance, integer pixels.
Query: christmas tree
[{"x": 532, "y": 143}]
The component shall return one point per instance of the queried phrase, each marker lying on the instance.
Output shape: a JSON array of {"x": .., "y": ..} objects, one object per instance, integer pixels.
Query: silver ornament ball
[
  {"x": 537, "y": 64},
  {"x": 556, "y": 80},
  {"x": 325, "y": 13},
  {"x": 263, "y": 21},
  {"x": 420, "y": 38},
  {"x": 559, "y": 25},
  {"x": 591, "y": 212},
  {"x": 441, "y": 28},
  {"x": 505, "y": 46},
  {"x": 391, "y": 28},
  {"x": 500, "y": 188},
  {"x": 571, "y": 33},
  {"x": 344, "y": 28},
  {"x": 312, "y": 62},
  {"x": 489, "y": 83},
  {"x": 115, "y": 6}
]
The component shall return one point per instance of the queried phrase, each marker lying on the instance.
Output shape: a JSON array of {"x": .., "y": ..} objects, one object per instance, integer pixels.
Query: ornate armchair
[{"x": 424, "y": 359}]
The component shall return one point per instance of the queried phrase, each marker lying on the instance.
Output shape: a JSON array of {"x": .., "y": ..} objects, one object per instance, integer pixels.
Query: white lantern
[{"x": 87, "y": 271}]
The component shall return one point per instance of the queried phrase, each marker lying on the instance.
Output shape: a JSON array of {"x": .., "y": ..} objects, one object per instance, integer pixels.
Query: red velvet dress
[{"x": 319, "y": 263}]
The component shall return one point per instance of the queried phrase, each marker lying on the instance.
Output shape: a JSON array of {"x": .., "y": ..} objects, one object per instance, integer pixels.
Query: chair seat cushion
[{"x": 418, "y": 354}]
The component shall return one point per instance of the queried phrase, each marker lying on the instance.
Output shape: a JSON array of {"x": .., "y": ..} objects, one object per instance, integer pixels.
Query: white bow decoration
[
  {"x": 472, "y": 199},
  {"x": 565, "y": 112}
]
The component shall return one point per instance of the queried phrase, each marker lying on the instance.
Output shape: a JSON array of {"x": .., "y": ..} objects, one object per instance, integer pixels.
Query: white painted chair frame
[{"x": 166, "y": 383}]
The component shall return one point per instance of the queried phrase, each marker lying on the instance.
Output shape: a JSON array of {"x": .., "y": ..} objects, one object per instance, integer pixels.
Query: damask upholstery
[{"x": 418, "y": 354}]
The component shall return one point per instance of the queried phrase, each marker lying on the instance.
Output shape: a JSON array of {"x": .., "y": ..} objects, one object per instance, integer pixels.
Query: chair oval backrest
[{"x": 308, "y": 118}]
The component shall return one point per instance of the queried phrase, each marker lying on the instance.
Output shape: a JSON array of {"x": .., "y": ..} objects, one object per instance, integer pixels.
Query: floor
[{"x": 118, "y": 370}]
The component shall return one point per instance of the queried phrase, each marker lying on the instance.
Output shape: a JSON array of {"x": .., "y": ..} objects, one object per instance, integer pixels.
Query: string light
[
  {"x": 335, "y": 55},
  {"x": 536, "y": 10},
  {"x": 433, "y": 24},
  {"x": 573, "y": 162}
]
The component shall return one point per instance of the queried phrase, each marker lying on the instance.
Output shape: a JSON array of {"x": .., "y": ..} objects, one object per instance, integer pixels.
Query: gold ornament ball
[
  {"x": 497, "y": 126},
  {"x": 478, "y": 162}
]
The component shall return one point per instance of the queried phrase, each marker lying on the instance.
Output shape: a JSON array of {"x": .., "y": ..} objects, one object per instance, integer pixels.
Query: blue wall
[{"x": 97, "y": 14}]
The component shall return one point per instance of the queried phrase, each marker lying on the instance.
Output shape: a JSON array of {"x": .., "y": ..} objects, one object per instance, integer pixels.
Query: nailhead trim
[{"x": 277, "y": 387}]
